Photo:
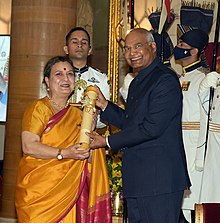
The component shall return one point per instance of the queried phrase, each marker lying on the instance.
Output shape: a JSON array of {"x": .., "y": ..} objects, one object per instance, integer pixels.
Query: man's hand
[
  {"x": 101, "y": 101},
  {"x": 96, "y": 141},
  {"x": 210, "y": 80}
]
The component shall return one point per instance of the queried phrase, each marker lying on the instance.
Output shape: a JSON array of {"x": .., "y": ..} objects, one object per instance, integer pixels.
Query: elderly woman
[{"x": 56, "y": 182}]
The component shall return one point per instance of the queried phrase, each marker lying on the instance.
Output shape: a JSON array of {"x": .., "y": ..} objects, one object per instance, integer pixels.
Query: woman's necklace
[{"x": 55, "y": 104}]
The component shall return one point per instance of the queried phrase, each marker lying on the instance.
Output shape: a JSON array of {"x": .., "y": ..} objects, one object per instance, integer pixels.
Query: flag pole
[
  {"x": 215, "y": 49},
  {"x": 132, "y": 13},
  {"x": 162, "y": 39},
  {"x": 131, "y": 7}
]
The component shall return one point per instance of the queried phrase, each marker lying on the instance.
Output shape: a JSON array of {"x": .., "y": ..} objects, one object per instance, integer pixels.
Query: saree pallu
[{"x": 49, "y": 190}]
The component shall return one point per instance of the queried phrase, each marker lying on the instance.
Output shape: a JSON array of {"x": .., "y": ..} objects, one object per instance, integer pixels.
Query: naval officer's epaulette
[
  {"x": 95, "y": 68},
  {"x": 204, "y": 70}
]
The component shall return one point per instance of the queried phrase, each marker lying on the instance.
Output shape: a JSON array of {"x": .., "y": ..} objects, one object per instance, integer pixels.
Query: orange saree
[{"x": 68, "y": 191}]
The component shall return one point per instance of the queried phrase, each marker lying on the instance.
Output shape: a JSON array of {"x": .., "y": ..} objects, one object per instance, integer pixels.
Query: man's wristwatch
[{"x": 59, "y": 155}]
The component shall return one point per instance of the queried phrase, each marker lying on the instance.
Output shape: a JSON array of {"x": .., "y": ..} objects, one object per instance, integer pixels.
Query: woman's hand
[
  {"x": 73, "y": 152},
  {"x": 32, "y": 146}
]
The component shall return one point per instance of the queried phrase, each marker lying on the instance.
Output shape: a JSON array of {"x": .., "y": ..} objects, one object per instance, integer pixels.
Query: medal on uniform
[{"x": 185, "y": 85}]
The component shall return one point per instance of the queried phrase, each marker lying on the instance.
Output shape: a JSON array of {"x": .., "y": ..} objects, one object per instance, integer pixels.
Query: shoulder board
[
  {"x": 95, "y": 68},
  {"x": 204, "y": 70}
]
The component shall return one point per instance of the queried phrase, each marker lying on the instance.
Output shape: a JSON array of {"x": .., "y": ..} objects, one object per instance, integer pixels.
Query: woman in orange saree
[{"x": 69, "y": 189}]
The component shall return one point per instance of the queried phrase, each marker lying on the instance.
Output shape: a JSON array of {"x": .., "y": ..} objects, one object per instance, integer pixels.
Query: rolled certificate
[{"x": 88, "y": 102}]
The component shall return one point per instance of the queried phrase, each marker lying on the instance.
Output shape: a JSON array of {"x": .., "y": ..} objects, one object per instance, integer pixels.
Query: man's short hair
[{"x": 74, "y": 30}]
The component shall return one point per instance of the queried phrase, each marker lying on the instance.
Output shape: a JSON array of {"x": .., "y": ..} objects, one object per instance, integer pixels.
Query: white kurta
[
  {"x": 210, "y": 191},
  {"x": 91, "y": 76},
  {"x": 192, "y": 132}
]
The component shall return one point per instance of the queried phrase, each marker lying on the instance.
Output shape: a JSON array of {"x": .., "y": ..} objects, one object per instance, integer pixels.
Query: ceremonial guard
[
  {"x": 209, "y": 93},
  {"x": 210, "y": 192},
  {"x": 192, "y": 40},
  {"x": 78, "y": 49}
]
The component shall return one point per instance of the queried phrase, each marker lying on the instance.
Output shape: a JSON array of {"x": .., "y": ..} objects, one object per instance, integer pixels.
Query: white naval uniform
[
  {"x": 92, "y": 76},
  {"x": 193, "y": 131},
  {"x": 210, "y": 192}
]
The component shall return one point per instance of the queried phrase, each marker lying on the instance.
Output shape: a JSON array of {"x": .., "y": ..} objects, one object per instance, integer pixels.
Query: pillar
[{"x": 38, "y": 30}]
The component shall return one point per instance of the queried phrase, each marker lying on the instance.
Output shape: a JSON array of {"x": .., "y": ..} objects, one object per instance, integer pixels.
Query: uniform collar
[
  {"x": 81, "y": 70},
  {"x": 192, "y": 66}
]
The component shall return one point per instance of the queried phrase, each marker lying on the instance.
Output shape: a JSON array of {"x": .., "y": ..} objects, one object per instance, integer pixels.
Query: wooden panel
[
  {"x": 12, "y": 161},
  {"x": 9, "y": 192},
  {"x": 8, "y": 212}
]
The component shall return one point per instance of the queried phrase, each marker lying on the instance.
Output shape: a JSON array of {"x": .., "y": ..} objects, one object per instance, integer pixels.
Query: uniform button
[
  {"x": 126, "y": 116},
  {"x": 213, "y": 108},
  {"x": 132, "y": 98},
  {"x": 217, "y": 96}
]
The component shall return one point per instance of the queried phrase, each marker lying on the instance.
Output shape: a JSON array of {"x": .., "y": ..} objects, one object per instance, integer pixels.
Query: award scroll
[{"x": 88, "y": 102}]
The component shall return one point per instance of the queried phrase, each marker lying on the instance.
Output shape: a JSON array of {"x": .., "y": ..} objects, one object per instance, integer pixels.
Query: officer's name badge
[{"x": 185, "y": 85}]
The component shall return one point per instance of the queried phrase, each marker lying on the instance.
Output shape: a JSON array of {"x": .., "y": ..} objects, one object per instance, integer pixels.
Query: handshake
[{"x": 212, "y": 79}]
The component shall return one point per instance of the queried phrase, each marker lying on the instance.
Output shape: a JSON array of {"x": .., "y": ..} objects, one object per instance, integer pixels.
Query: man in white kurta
[{"x": 210, "y": 192}]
